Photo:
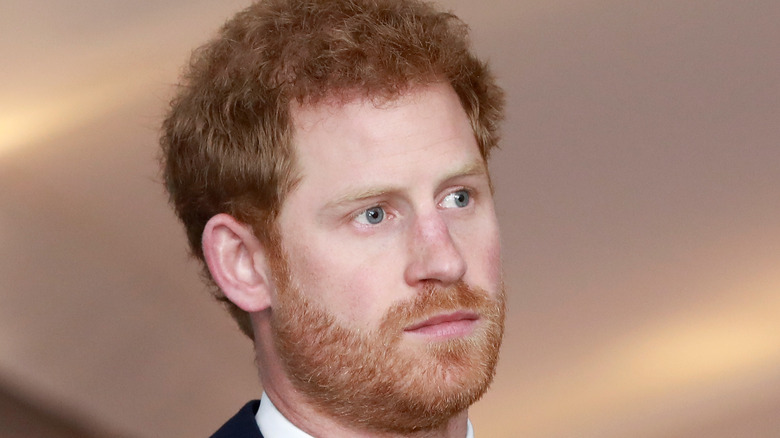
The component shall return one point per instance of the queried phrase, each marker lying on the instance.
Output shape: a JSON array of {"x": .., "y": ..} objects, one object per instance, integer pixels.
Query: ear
[{"x": 237, "y": 262}]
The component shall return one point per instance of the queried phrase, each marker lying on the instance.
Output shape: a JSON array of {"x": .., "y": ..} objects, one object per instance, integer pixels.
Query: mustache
[{"x": 435, "y": 299}]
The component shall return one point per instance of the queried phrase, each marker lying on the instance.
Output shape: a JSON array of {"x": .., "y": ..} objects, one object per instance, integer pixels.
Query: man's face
[{"x": 389, "y": 303}]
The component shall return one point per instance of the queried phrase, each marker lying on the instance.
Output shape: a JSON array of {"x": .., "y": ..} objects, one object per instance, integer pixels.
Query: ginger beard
[{"x": 379, "y": 379}]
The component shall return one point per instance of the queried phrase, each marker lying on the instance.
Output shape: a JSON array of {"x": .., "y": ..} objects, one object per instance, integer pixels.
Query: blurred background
[{"x": 638, "y": 191}]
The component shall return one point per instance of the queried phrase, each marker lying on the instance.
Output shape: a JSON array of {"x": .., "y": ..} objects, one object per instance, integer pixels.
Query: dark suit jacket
[{"x": 242, "y": 425}]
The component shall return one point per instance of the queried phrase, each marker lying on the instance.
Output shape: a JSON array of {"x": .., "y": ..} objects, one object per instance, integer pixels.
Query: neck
[
  {"x": 302, "y": 413},
  {"x": 317, "y": 424}
]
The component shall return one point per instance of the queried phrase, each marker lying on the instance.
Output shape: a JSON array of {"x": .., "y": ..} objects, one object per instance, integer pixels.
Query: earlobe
[{"x": 237, "y": 262}]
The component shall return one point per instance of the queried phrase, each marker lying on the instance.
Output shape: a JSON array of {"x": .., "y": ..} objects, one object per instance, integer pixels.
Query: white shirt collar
[{"x": 274, "y": 425}]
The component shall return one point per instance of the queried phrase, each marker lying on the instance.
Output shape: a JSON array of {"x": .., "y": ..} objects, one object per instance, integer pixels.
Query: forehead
[{"x": 361, "y": 131}]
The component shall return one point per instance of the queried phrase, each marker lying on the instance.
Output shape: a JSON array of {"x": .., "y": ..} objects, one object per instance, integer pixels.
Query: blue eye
[
  {"x": 371, "y": 216},
  {"x": 457, "y": 199}
]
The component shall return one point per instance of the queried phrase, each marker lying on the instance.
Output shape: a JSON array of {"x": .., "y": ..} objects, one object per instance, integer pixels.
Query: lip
[{"x": 446, "y": 325}]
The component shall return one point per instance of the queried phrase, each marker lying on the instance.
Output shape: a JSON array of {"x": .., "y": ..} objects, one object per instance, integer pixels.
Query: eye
[
  {"x": 371, "y": 216},
  {"x": 457, "y": 199}
]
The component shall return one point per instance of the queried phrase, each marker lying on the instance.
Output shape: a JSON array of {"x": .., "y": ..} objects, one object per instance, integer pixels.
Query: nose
[{"x": 434, "y": 256}]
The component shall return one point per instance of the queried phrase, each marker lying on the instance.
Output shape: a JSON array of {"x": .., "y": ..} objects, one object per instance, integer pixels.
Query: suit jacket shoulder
[{"x": 242, "y": 425}]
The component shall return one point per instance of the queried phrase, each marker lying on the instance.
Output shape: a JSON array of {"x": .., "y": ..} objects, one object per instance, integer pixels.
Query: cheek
[
  {"x": 482, "y": 249},
  {"x": 493, "y": 263},
  {"x": 490, "y": 263},
  {"x": 349, "y": 283}
]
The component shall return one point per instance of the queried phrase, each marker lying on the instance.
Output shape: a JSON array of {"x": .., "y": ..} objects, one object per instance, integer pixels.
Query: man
[{"x": 328, "y": 160}]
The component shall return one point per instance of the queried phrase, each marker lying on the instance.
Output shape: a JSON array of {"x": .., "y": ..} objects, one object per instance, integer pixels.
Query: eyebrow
[{"x": 474, "y": 168}]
